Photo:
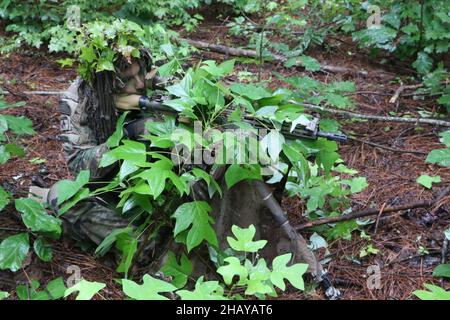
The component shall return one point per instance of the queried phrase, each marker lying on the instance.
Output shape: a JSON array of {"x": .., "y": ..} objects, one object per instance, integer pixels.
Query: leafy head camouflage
[{"x": 105, "y": 49}]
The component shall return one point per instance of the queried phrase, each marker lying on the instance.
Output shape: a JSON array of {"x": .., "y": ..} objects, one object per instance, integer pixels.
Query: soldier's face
[{"x": 134, "y": 79}]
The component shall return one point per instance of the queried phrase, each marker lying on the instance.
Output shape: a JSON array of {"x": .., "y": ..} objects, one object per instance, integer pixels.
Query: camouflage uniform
[{"x": 93, "y": 218}]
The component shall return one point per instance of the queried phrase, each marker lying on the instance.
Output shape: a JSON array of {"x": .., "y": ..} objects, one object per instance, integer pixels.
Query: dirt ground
[{"x": 391, "y": 174}]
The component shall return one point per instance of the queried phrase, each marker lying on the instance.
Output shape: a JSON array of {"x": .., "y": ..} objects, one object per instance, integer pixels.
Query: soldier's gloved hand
[{"x": 135, "y": 129}]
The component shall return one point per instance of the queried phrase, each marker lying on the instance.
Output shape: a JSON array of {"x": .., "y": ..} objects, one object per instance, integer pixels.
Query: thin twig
[
  {"x": 350, "y": 114},
  {"x": 373, "y": 144},
  {"x": 253, "y": 54},
  {"x": 371, "y": 212}
]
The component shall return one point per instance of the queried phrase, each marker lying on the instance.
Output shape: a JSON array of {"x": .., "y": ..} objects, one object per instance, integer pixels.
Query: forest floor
[{"x": 401, "y": 239}]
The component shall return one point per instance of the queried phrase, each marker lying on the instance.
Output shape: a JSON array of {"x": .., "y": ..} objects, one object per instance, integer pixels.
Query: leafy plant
[
  {"x": 434, "y": 293},
  {"x": 427, "y": 181},
  {"x": 441, "y": 156}
]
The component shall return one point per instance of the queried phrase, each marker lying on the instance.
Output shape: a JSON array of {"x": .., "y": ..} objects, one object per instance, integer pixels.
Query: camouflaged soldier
[{"x": 88, "y": 117}]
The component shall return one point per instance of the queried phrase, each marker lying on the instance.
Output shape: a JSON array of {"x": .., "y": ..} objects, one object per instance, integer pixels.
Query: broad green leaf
[
  {"x": 236, "y": 173},
  {"x": 43, "y": 249},
  {"x": 56, "y": 288},
  {"x": 435, "y": 293},
  {"x": 292, "y": 273},
  {"x": 129, "y": 150},
  {"x": 356, "y": 184},
  {"x": 4, "y": 155},
  {"x": 30, "y": 292},
  {"x": 440, "y": 157},
  {"x": 80, "y": 195},
  {"x": 67, "y": 188},
  {"x": 3, "y": 127},
  {"x": 127, "y": 244},
  {"x": 3, "y": 295},
  {"x": 233, "y": 268},
  {"x": 19, "y": 125},
  {"x": 427, "y": 181},
  {"x": 114, "y": 139},
  {"x": 35, "y": 217},
  {"x": 204, "y": 290},
  {"x": 273, "y": 142},
  {"x": 445, "y": 138},
  {"x": 244, "y": 239},
  {"x": 149, "y": 290},
  {"x": 179, "y": 272},
  {"x": 442, "y": 270},
  {"x": 106, "y": 244},
  {"x": 250, "y": 91},
  {"x": 300, "y": 120},
  {"x": 86, "y": 289},
  {"x": 423, "y": 64},
  {"x": 195, "y": 213},
  {"x": 310, "y": 63},
  {"x": 156, "y": 180},
  {"x": 13, "y": 251},
  {"x": 4, "y": 198},
  {"x": 15, "y": 150},
  {"x": 259, "y": 275}
]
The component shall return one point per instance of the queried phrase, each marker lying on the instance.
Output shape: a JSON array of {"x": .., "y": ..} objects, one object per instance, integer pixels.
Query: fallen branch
[
  {"x": 372, "y": 212},
  {"x": 253, "y": 54},
  {"x": 401, "y": 89},
  {"x": 376, "y": 145},
  {"x": 43, "y": 93},
  {"x": 350, "y": 114}
]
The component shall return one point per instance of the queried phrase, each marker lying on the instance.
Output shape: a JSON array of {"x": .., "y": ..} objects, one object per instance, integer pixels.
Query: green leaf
[
  {"x": 423, "y": 63},
  {"x": 56, "y": 288},
  {"x": 3, "y": 295},
  {"x": 149, "y": 290},
  {"x": 273, "y": 142},
  {"x": 244, "y": 239},
  {"x": 258, "y": 278},
  {"x": 86, "y": 289},
  {"x": 43, "y": 249},
  {"x": 156, "y": 180},
  {"x": 440, "y": 157},
  {"x": 4, "y": 154},
  {"x": 114, "y": 139},
  {"x": 36, "y": 218},
  {"x": 106, "y": 244},
  {"x": 445, "y": 138},
  {"x": 442, "y": 270},
  {"x": 208, "y": 290},
  {"x": 427, "y": 181},
  {"x": 233, "y": 268},
  {"x": 18, "y": 151},
  {"x": 235, "y": 173},
  {"x": 179, "y": 272},
  {"x": 13, "y": 251},
  {"x": 356, "y": 184},
  {"x": 435, "y": 293},
  {"x": 4, "y": 198},
  {"x": 66, "y": 189},
  {"x": 195, "y": 213},
  {"x": 310, "y": 63},
  {"x": 250, "y": 91},
  {"x": 293, "y": 273},
  {"x": 20, "y": 125},
  {"x": 127, "y": 245},
  {"x": 129, "y": 150}
]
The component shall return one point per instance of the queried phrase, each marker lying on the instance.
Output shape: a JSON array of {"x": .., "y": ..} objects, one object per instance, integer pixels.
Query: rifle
[{"x": 311, "y": 130}]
